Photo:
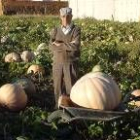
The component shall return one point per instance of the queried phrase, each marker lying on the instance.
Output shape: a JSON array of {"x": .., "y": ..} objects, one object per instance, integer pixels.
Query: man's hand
[{"x": 57, "y": 46}]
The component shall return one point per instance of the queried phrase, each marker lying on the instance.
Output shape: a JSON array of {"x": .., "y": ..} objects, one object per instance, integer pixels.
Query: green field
[{"x": 114, "y": 45}]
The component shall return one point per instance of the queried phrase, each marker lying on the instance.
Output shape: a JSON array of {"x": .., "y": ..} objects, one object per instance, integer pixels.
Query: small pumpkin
[
  {"x": 36, "y": 69},
  {"x": 27, "y": 85},
  {"x": 96, "y": 90},
  {"x": 13, "y": 97},
  {"x": 12, "y": 57},
  {"x": 135, "y": 93},
  {"x": 65, "y": 101},
  {"x": 27, "y": 56},
  {"x": 40, "y": 48}
]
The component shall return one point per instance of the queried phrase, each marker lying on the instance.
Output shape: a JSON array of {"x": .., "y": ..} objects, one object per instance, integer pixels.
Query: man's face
[{"x": 66, "y": 20}]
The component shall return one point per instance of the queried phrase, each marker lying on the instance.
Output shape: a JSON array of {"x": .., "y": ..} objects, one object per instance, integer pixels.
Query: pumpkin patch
[{"x": 102, "y": 42}]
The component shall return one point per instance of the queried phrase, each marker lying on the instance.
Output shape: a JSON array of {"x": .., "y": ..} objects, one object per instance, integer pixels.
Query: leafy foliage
[{"x": 111, "y": 44}]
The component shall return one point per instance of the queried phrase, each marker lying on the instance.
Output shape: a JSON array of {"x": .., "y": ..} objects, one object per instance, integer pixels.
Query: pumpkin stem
[{"x": 97, "y": 68}]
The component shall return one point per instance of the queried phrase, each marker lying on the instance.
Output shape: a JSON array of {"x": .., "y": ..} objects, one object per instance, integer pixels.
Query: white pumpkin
[
  {"x": 96, "y": 90},
  {"x": 27, "y": 56},
  {"x": 12, "y": 57}
]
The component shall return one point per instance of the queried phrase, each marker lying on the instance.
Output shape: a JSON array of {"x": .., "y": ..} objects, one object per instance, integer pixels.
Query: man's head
[{"x": 66, "y": 16}]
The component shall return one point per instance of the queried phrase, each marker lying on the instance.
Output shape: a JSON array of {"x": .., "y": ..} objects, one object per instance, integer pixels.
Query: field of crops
[{"x": 113, "y": 45}]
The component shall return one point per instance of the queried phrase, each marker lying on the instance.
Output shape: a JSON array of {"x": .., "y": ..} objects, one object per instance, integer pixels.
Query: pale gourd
[
  {"x": 36, "y": 69},
  {"x": 96, "y": 90},
  {"x": 40, "y": 48},
  {"x": 13, "y": 97},
  {"x": 27, "y": 85},
  {"x": 27, "y": 56},
  {"x": 12, "y": 57},
  {"x": 135, "y": 93}
]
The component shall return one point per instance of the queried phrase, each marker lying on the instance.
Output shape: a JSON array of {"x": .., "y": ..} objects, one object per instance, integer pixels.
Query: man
[{"x": 65, "y": 47}]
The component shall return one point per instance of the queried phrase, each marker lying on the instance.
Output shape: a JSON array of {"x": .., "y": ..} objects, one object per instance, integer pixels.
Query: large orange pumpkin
[
  {"x": 96, "y": 90},
  {"x": 13, "y": 97},
  {"x": 36, "y": 69}
]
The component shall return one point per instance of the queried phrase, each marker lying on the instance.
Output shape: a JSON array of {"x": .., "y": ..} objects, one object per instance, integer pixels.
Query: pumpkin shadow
[{"x": 44, "y": 100}]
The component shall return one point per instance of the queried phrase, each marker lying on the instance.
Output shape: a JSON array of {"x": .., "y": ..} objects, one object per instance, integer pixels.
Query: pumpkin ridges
[
  {"x": 110, "y": 84},
  {"x": 82, "y": 87},
  {"x": 74, "y": 90},
  {"x": 108, "y": 89},
  {"x": 86, "y": 87},
  {"x": 100, "y": 87},
  {"x": 97, "y": 99},
  {"x": 101, "y": 95}
]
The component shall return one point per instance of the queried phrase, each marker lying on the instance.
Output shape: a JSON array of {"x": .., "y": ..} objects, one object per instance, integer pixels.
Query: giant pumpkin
[
  {"x": 13, "y": 97},
  {"x": 96, "y": 90}
]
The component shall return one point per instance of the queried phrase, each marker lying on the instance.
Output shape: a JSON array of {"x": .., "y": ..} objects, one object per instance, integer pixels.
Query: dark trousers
[{"x": 64, "y": 76}]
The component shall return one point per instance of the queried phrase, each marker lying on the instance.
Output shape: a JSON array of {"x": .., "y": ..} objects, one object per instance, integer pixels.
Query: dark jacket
[{"x": 69, "y": 50}]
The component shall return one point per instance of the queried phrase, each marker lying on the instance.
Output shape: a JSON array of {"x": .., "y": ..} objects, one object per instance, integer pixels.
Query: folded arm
[{"x": 74, "y": 45}]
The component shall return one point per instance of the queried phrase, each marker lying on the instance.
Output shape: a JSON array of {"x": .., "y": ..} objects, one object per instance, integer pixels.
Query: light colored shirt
[{"x": 66, "y": 29}]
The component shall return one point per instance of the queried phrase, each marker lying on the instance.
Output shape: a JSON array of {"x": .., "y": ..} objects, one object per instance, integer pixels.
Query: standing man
[{"x": 65, "y": 47}]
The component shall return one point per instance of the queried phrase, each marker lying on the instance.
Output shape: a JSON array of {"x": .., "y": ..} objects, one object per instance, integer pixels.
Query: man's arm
[
  {"x": 53, "y": 35},
  {"x": 55, "y": 45},
  {"x": 74, "y": 45}
]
